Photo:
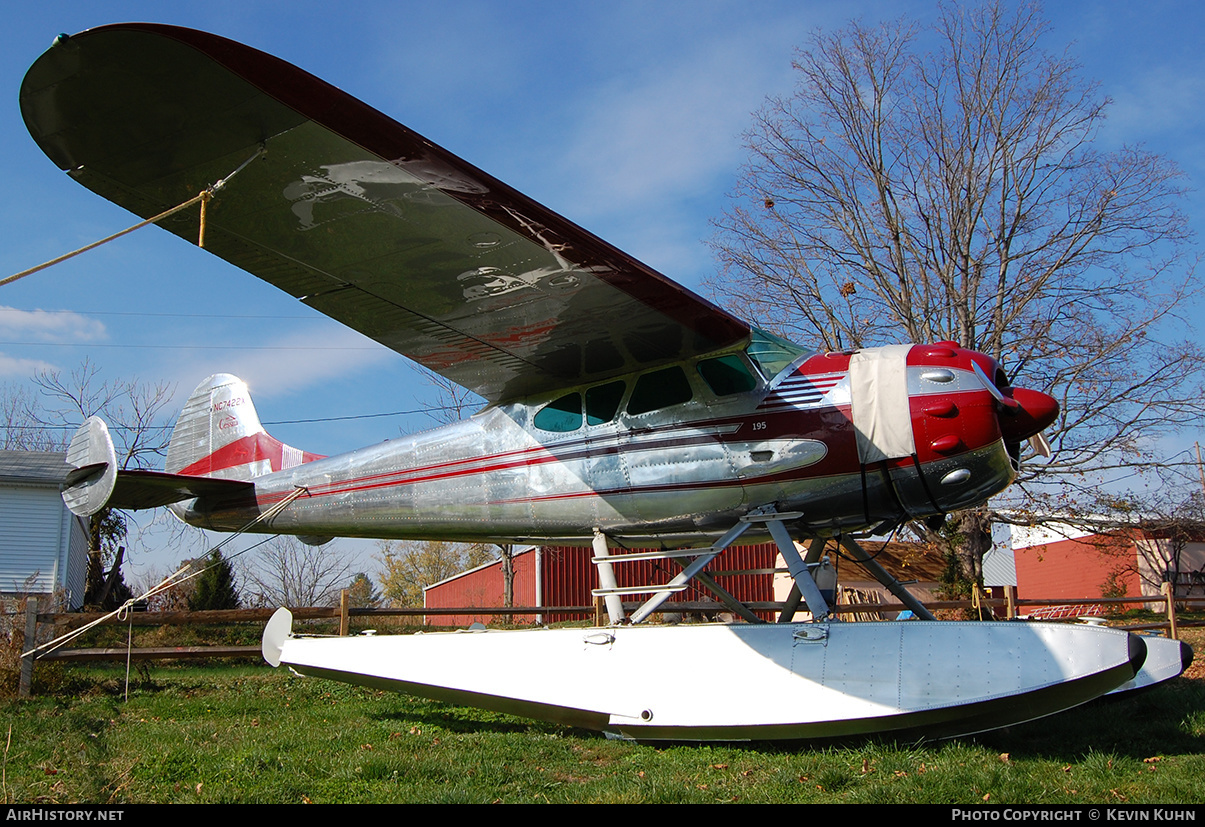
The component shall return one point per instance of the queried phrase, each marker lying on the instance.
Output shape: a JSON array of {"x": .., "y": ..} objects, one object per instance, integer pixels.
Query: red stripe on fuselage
[{"x": 254, "y": 448}]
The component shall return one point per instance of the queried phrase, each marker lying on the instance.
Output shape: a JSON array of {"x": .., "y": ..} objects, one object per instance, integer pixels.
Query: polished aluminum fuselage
[{"x": 682, "y": 475}]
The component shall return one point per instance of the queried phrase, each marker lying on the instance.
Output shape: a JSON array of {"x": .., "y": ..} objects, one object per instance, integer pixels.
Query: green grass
[{"x": 248, "y": 733}]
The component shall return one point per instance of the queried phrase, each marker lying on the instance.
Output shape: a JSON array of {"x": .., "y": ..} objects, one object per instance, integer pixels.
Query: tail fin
[{"x": 219, "y": 435}]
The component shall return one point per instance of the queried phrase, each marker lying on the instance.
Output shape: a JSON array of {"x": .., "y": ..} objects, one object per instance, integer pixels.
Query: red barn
[
  {"x": 1061, "y": 561},
  {"x": 565, "y": 576}
]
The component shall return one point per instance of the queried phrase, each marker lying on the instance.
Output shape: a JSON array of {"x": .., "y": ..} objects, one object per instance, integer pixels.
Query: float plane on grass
[{"x": 622, "y": 411}]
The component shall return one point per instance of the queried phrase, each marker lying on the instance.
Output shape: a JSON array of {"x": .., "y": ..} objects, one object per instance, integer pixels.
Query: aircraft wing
[{"x": 354, "y": 214}]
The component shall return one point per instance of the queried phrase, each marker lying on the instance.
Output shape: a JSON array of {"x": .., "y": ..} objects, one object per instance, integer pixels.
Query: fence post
[
  {"x": 344, "y": 617},
  {"x": 25, "y": 683},
  {"x": 1169, "y": 592}
]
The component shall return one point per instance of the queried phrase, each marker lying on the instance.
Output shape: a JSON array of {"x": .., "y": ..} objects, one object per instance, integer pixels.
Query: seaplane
[{"x": 622, "y": 412}]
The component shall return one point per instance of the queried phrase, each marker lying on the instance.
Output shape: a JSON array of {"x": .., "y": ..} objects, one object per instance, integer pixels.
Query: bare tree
[
  {"x": 287, "y": 572},
  {"x": 22, "y": 418},
  {"x": 452, "y": 402},
  {"x": 947, "y": 185},
  {"x": 174, "y": 599},
  {"x": 133, "y": 410},
  {"x": 135, "y": 414}
]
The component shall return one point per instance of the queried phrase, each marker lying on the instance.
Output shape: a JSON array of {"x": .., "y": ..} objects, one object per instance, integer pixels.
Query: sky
[{"x": 626, "y": 117}]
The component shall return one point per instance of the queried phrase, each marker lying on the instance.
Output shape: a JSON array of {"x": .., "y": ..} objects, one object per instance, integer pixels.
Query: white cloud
[
  {"x": 290, "y": 364},
  {"x": 50, "y": 325},
  {"x": 14, "y": 368}
]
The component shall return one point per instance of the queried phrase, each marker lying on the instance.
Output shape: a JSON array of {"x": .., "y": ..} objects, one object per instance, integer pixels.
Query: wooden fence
[{"x": 62, "y": 623}]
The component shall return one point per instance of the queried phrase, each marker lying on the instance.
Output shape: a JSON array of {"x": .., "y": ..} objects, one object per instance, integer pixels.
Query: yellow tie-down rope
[
  {"x": 168, "y": 582},
  {"x": 203, "y": 197}
]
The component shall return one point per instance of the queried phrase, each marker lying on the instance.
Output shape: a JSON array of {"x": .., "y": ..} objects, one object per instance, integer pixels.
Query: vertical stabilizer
[{"x": 219, "y": 435}]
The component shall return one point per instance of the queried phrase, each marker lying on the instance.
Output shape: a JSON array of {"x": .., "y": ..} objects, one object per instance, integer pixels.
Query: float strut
[
  {"x": 799, "y": 570},
  {"x": 791, "y": 605},
  {"x": 894, "y": 586},
  {"x": 606, "y": 579}
]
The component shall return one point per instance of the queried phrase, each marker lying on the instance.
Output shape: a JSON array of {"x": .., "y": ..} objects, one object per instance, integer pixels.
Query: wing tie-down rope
[
  {"x": 175, "y": 579},
  {"x": 204, "y": 196}
]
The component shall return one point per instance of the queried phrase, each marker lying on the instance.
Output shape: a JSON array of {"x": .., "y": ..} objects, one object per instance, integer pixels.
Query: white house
[{"x": 43, "y": 546}]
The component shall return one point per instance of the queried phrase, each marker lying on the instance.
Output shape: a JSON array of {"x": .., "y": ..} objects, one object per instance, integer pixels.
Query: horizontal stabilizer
[
  {"x": 151, "y": 489},
  {"x": 96, "y": 483}
]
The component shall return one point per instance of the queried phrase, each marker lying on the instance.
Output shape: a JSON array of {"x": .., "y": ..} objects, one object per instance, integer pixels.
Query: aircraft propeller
[{"x": 1024, "y": 415}]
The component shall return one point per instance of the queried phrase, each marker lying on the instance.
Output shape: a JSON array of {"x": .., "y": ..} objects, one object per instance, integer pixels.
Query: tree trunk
[
  {"x": 111, "y": 578},
  {"x": 508, "y": 576},
  {"x": 974, "y": 541},
  {"x": 94, "y": 581}
]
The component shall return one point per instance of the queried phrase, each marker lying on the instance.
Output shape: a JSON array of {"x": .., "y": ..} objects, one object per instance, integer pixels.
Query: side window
[
  {"x": 561, "y": 415},
  {"x": 602, "y": 402},
  {"x": 659, "y": 389},
  {"x": 726, "y": 375}
]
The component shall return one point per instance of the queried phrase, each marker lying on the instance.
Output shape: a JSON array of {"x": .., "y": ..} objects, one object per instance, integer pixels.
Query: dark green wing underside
[{"x": 355, "y": 214}]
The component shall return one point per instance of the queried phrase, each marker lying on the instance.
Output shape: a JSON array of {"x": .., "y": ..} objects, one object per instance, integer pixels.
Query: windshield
[{"x": 771, "y": 353}]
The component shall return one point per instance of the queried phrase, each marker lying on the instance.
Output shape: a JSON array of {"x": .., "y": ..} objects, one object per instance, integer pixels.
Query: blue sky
[{"x": 623, "y": 116}]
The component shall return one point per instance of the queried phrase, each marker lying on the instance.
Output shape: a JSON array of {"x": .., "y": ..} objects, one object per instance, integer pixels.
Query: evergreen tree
[
  {"x": 215, "y": 587},
  {"x": 362, "y": 594}
]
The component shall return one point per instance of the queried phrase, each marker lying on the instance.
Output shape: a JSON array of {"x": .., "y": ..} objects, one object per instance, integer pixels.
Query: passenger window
[
  {"x": 726, "y": 375},
  {"x": 561, "y": 415},
  {"x": 602, "y": 403},
  {"x": 659, "y": 389}
]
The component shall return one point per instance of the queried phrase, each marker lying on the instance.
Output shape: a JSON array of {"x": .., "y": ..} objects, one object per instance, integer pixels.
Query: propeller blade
[
  {"x": 1025, "y": 413},
  {"x": 1006, "y": 403},
  {"x": 987, "y": 383},
  {"x": 1040, "y": 445}
]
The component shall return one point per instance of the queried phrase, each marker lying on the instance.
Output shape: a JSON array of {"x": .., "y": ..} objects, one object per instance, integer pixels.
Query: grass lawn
[{"x": 249, "y": 733}]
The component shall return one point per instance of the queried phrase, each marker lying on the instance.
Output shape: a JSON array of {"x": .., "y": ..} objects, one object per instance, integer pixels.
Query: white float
[
  {"x": 1165, "y": 659},
  {"x": 726, "y": 682}
]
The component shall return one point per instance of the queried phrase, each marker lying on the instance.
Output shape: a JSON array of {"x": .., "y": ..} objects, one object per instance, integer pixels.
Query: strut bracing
[{"x": 892, "y": 585}]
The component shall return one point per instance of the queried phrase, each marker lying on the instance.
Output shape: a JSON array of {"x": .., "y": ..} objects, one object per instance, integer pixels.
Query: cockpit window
[
  {"x": 561, "y": 415},
  {"x": 726, "y": 375},
  {"x": 602, "y": 402},
  {"x": 771, "y": 353},
  {"x": 659, "y": 389}
]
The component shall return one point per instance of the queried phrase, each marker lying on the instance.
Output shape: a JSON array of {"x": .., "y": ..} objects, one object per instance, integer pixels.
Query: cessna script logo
[{"x": 229, "y": 421}]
